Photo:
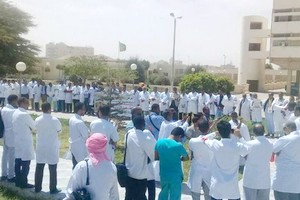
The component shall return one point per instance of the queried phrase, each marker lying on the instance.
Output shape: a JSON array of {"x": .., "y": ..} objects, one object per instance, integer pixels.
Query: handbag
[
  {"x": 82, "y": 193},
  {"x": 122, "y": 171}
]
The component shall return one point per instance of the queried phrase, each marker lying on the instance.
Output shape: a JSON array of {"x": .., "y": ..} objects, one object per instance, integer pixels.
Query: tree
[
  {"x": 85, "y": 67},
  {"x": 14, "y": 23},
  {"x": 205, "y": 82},
  {"x": 121, "y": 75},
  {"x": 142, "y": 67},
  {"x": 224, "y": 84}
]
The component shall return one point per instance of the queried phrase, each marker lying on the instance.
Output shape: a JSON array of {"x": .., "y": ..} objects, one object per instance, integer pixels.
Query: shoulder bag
[
  {"x": 82, "y": 193},
  {"x": 122, "y": 171}
]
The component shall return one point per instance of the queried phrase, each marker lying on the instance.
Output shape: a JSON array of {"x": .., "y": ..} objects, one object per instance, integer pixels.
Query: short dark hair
[
  {"x": 291, "y": 106},
  {"x": 46, "y": 107},
  {"x": 11, "y": 98},
  {"x": 22, "y": 100},
  {"x": 258, "y": 130},
  {"x": 78, "y": 106},
  {"x": 291, "y": 125},
  {"x": 224, "y": 128},
  {"x": 104, "y": 110},
  {"x": 178, "y": 131},
  {"x": 136, "y": 111},
  {"x": 139, "y": 122},
  {"x": 203, "y": 125},
  {"x": 154, "y": 107}
]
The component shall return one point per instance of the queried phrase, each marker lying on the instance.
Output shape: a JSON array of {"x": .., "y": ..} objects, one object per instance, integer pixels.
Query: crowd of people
[{"x": 154, "y": 145}]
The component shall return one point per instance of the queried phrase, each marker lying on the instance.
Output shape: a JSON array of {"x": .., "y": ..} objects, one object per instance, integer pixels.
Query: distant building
[{"x": 59, "y": 50}]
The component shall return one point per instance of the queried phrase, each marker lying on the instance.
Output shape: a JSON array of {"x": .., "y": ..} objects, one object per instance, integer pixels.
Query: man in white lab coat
[
  {"x": 183, "y": 104},
  {"x": 165, "y": 100},
  {"x": 244, "y": 108},
  {"x": 79, "y": 132},
  {"x": 144, "y": 100},
  {"x": 61, "y": 97},
  {"x": 256, "y": 108},
  {"x": 192, "y": 102},
  {"x": 269, "y": 114},
  {"x": 278, "y": 107},
  {"x": 50, "y": 93},
  {"x": 104, "y": 126},
  {"x": 69, "y": 98},
  {"x": 76, "y": 93},
  {"x": 37, "y": 94},
  {"x": 201, "y": 156},
  {"x": 258, "y": 162},
  {"x": 203, "y": 101},
  {"x": 47, "y": 148},
  {"x": 8, "y": 155},
  {"x": 287, "y": 173},
  {"x": 229, "y": 102},
  {"x": 225, "y": 165},
  {"x": 23, "y": 125},
  {"x": 154, "y": 97},
  {"x": 235, "y": 123}
]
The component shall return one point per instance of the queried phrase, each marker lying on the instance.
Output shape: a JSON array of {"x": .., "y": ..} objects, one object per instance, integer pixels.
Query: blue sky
[{"x": 208, "y": 30}]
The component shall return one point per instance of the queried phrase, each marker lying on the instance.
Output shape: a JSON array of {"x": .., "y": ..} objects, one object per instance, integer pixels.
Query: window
[
  {"x": 255, "y": 25},
  {"x": 284, "y": 43},
  {"x": 254, "y": 46},
  {"x": 282, "y": 10},
  {"x": 288, "y": 18},
  {"x": 282, "y": 35}
]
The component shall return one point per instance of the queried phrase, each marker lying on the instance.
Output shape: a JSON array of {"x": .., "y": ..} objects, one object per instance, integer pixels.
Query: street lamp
[
  {"x": 224, "y": 60},
  {"x": 21, "y": 67},
  {"x": 174, "y": 38},
  {"x": 133, "y": 67}
]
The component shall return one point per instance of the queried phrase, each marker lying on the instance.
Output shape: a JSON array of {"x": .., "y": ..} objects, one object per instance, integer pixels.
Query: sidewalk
[{"x": 64, "y": 169}]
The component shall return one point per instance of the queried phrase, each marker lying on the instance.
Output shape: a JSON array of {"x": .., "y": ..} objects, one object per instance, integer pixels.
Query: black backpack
[{"x": 1, "y": 126}]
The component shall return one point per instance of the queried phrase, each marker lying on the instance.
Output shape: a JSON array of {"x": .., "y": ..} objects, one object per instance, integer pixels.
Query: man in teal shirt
[{"x": 170, "y": 152}]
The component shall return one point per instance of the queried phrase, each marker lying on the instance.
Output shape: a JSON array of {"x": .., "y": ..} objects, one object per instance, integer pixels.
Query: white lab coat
[
  {"x": 37, "y": 92},
  {"x": 245, "y": 109},
  {"x": 47, "y": 141},
  {"x": 192, "y": 102},
  {"x": 7, "y": 114},
  {"x": 2, "y": 90},
  {"x": 110, "y": 131},
  {"x": 50, "y": 91},
  {"x": 23, "y": 125},
  {"x": 225, "y": 165},
  {"x": 287, "y": 176},
  {"x": 243, "y": 130},
  {"x": 183, "y": 103},
  {"x": 203, "y": 101},
  {"x": 76, "y": 92},
  {"x": 154, "y": 98},
  {"x": 7, "y": 90},
  {"x": 167, "y": 127},
  {"x": 211, "y": 105},
  {"x": 201, "y": 163},
  {"x": 103, "y": 180},
  {"x": 79, "y": 132},
  {"x": 92, "y": 96},
  {"x": 144, "y": 100},
  {"x": 256, "y": 109},
  {"x": 68, "y": 94},
  {"x": 229, "y": 104},
  {"x": 61, "y": 92},
  {"x": 164, "y": 101},
  {"x": 258, "y": 162},
  {"x": 136, "y": 98},
  {"x": 277, "y": 107}
]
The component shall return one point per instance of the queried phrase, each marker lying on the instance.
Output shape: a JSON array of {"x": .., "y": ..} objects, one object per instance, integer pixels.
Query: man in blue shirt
[
  {"x": 170, "y": 152},
  {"x": 154, "y": 120}
]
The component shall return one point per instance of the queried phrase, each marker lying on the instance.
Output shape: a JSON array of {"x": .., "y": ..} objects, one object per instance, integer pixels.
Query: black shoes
[
  {"x": 27, "y": 186},
  {"x": 55, "y": 191},
  {"x": 11, "y": 180}
]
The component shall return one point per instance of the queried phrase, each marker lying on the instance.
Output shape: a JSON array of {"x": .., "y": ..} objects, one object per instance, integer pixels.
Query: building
[
  {"x": 59, "y": 50},
  {"x": 283, "y": 49}
]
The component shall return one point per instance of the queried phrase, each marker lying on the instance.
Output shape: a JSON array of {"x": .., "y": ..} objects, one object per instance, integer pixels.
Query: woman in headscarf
[{"x": 103, "y": 183}]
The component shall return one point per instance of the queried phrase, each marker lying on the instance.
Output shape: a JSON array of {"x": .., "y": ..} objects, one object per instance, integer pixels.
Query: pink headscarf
[{"x": 96, "y": 146}]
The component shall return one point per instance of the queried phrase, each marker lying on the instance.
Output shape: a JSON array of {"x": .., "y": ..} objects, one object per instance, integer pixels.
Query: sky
[{"x": 208, "y": 30}]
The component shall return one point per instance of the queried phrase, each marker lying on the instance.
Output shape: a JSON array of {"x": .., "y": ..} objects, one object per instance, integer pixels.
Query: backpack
[{"x": 1, "y": 126}]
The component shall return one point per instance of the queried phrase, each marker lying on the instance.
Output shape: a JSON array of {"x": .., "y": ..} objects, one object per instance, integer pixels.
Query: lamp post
[
  {"x": 174, "y": 39},
  {"x": 224, "y": 60},
  {"x": 20, "y": 67},
  {"x": 193, "y": 70},
  {"x": 133, "y": 67}
]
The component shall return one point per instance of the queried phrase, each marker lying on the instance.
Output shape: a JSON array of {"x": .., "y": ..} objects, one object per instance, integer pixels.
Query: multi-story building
[{"x": 62, "y": 50}]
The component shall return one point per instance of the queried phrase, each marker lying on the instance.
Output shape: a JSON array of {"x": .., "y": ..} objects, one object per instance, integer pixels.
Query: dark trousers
[
  {"x": 2, "y": 101},
  {"x": 75, "y": 101},
  {"x": 221, "y": 199},
  {"x": 87, "y": 104},
  {"x": 25, "y": 95},
  {"x": 74, "y": 161},
  {"x": 69, "y": 107},
  {"x": 44, "y": 98},
  {"x": 151, "y": 189},
  {"x": 61, "y": 106},
  {"x": 21, "y": 172},
  {"x": 136, "y": 189},
  {"x": 36, "y": 106},
  {"x": 39, "y": 173}
]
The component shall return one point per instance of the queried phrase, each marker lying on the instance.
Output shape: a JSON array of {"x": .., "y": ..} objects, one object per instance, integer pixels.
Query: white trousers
[{"x": 8, "y": 161}]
